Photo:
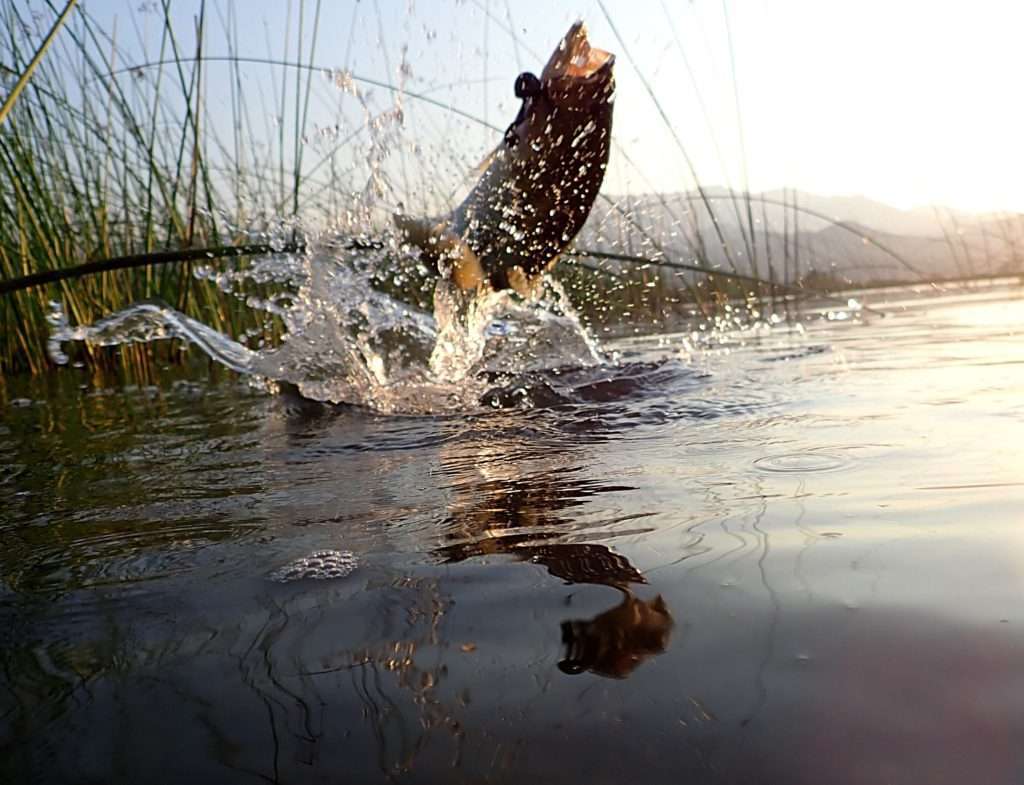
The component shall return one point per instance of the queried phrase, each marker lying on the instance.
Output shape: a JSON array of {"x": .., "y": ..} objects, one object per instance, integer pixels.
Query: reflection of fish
[
  {"x": 572, "y": 562},
  {"x": 618, "y": 640},
  {"x": 539, "y": 184},
  {"x": 523, "y": 517}
]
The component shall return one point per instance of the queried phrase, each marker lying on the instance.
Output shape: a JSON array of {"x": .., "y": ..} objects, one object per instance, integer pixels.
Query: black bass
[{"x": 539, "y": 184}]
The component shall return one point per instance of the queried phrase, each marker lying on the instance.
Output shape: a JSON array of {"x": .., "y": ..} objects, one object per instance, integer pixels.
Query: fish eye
[{"x": 527, "y": 85}]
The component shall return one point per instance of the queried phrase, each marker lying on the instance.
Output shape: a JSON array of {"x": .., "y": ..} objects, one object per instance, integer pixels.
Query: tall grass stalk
[
  {"x": 705, "y": 201},
  {"x": 26, "y": 74}
]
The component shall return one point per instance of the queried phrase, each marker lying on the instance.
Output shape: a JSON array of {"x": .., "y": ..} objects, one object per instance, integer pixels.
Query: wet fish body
[{"x": 539, "y": 185}]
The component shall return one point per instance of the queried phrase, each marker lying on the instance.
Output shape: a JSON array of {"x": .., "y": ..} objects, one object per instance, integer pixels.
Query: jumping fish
[{"x": 538, "y": 186}]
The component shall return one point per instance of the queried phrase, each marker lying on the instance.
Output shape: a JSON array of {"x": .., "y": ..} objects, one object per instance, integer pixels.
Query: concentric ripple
[{"x": 801, "y": 462}]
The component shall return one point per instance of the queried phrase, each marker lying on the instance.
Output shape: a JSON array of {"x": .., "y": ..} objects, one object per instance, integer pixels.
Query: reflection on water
[
  {"x": 615, "y": 642},
  {"x": 789, "y": 557},
  {"x": 496, "y": 509}
]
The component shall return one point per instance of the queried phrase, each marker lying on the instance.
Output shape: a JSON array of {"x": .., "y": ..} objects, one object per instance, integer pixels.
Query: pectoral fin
[
  {"x": 444, "y": 249},
  {"x": 421, "y": 232},
  {"x": 467, "y": 272}
]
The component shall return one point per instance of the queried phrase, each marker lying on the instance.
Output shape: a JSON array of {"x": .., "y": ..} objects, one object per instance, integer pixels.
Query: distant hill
[
  {"x": 849, "y": 237},
  {"x": 932, "y": 221}
]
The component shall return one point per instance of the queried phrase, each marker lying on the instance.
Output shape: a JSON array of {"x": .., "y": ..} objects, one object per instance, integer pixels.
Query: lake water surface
[{"x": 789, "y": 556}]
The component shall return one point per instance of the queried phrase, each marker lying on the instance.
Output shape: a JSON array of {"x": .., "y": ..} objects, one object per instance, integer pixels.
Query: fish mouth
[{"x": 575, "y": 58}]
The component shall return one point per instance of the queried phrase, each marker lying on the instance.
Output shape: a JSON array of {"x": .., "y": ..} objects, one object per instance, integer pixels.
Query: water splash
[
  {"x": 144, "y": 322},
  {"x": 348, "y": 341}
]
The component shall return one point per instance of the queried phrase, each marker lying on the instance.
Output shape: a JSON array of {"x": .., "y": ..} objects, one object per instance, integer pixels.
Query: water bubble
[
  {"x": 345, "y": 82},
  {"x": 319, "y": 566}
]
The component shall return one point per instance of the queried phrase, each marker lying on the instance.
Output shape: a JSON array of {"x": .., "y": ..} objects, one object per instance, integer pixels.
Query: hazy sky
[{"x": 908, "y": 102}]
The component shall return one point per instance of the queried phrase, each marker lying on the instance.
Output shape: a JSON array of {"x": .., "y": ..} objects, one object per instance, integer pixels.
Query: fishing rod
[
  {"x": 186, "y": 255},
  {"x": 143, "y": 260},
  {"x": 154, "y": 258}
]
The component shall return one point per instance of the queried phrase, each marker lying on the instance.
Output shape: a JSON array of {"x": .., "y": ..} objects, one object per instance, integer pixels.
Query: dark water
[{"x": 794, "y": 558}]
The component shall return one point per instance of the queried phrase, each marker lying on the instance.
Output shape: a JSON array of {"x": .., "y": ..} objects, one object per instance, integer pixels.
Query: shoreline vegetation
[{"x": 103, "y": 157}]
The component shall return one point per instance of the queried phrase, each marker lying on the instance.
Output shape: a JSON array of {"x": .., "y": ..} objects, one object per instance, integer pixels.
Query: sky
[{"x": 911, "y": 103}]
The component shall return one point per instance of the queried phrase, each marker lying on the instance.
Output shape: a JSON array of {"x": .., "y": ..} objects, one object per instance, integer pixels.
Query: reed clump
[{"x": 95, "y": 165}]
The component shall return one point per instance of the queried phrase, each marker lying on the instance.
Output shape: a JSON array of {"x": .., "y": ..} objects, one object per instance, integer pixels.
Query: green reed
[{"x": 93, "y": 166}]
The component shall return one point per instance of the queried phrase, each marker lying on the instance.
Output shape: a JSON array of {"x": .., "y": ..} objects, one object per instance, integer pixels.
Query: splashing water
[
  {"x": 348, "y": 342},
  {"x": 143, "y": 322}
]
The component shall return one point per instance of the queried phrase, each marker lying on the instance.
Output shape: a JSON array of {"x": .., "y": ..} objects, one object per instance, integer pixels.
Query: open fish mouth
[{"x": 576, "y": 58}]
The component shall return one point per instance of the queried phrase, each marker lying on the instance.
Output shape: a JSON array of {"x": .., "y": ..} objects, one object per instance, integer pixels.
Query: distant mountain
[
  {"x": 932, "y": 221},
  {"x": 849, "y": 237},
  {"x": 814, "y": 211}
]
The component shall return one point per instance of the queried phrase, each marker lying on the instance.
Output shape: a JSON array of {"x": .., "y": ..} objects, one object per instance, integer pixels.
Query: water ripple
[{"x": 801, "y": 462}]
